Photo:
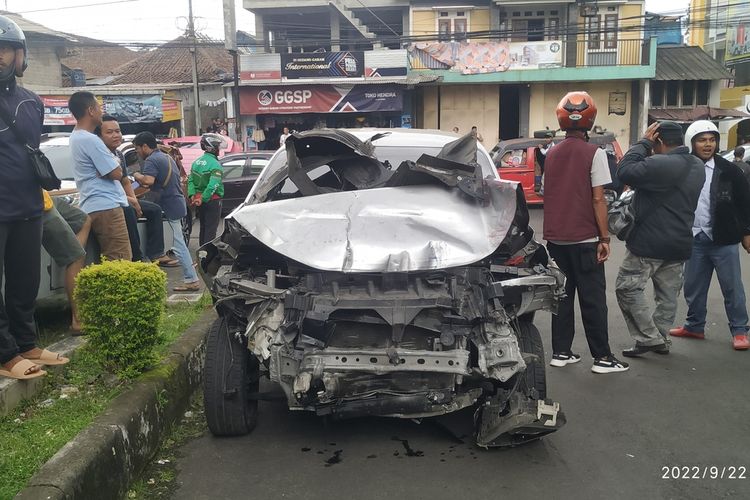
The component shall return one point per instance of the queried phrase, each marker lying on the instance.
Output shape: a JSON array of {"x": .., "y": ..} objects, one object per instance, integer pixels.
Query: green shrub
[{"x": 120, "y": 306}]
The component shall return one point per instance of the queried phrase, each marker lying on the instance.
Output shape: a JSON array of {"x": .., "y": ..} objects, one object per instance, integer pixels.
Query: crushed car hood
[{"x": 391, "y": 229}]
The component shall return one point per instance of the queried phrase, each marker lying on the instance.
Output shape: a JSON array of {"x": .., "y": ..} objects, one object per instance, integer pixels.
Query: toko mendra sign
[{"x": 320, "y": 99}]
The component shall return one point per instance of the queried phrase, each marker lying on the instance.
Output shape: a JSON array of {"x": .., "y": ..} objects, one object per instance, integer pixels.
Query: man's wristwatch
[{"x": 605, "y": 239}]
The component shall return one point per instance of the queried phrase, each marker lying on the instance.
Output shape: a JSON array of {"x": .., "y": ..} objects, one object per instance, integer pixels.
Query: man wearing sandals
[
  {"x": 160, "y": 173},
  {"x": 20, "y": 216}
]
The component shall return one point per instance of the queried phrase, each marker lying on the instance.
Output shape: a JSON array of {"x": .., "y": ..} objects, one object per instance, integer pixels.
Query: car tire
[
  {"x": 230, "y": 377},
  {"x": 534, "y": 380}
]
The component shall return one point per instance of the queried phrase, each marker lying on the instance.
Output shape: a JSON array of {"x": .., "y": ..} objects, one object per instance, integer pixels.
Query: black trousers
[
  {"x": 585, "y": 276},
  {"x": 20, "y": 256},
  {"x": 209, "y": 214},
  {"x": 154, "y": 230}
]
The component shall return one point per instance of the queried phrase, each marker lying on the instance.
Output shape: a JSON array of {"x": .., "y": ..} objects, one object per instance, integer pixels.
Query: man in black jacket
[
  {"x": 667, "y": 187},
  {"x": 20, "y": 214},
  {"x": 722, "y": 220}
]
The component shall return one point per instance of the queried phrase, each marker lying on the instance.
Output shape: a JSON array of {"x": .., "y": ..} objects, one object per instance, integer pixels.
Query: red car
[
  {"x": 516, "y": 160},
  {"x": 190, "y": 148}
]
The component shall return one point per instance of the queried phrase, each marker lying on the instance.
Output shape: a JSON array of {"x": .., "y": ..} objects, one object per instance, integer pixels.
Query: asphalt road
[{"x": 688, "y": 409}]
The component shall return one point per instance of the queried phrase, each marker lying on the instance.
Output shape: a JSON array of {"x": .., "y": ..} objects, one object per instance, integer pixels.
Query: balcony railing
[
  {"x": 469, "y": 58},
  {"x": 633, "y": 52}
]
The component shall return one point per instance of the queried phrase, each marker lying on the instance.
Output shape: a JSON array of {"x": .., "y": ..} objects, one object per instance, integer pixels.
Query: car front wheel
[{"x": 231, "y": 377}]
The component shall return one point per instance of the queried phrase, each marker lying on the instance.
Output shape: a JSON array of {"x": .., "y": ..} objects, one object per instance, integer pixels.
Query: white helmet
[{"x": 697, "y": 128}]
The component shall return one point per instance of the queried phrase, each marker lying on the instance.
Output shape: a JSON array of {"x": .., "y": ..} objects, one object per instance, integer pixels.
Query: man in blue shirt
[
  {"x": 160, "y": 173},
  {"x": 97, "y": 174}
]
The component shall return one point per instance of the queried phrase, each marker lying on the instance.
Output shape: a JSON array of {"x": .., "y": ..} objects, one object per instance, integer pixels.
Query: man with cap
[
  {"x": 667, "y": 185},
  {"x": 20, "y": 214},
  {"x": 722, "y": 220}
]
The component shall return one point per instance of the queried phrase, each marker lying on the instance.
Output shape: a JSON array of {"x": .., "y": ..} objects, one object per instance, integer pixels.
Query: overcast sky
[{"x": 162, "y": 20}]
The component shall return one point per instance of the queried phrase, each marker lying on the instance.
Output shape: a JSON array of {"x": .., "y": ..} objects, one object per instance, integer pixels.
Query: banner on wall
[
  {"x": 134, "y": 108},
  {"x": 471, "y": 58},
  {"x": 320, "y": 99},
  {"x": 56, "y": 110},
  {"x": 126, "y": 108},
  {"x": 738, "y": 33},
  {"x": 323, "y": 65},
  {"x": 171, "y": 110}
]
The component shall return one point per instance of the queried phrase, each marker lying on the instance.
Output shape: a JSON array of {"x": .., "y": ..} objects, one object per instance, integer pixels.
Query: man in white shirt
[
  {"x": 722, "y": 220},
  {"x": 284, "y": 137}
]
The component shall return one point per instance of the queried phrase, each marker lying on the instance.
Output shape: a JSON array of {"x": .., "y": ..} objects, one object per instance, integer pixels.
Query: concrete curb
[
  {"x": 101, "y": 460},
  {"x": 14, "y": 391}
]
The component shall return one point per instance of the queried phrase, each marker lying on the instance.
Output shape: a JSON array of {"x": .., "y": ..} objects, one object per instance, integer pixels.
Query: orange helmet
[{"x": 576, "y": 111}]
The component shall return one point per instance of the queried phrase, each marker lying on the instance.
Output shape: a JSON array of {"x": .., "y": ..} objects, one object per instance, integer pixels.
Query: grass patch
[{"x": 72, "y": 397}]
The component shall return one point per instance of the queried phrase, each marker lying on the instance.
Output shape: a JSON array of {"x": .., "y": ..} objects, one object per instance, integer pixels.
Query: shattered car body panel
[{"x": 405, "y": 292}]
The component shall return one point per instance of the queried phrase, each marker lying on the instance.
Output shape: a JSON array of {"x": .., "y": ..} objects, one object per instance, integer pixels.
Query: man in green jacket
[{"x": 205, "y": 187}]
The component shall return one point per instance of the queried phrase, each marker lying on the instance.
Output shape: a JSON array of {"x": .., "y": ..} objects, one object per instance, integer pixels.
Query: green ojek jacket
[{"x": 205, "y": 178}]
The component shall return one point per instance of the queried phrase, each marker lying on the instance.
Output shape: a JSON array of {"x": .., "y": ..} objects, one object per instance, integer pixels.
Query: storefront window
[
  {"x": 702, "y": 93},
  {"x": 657, "y": 93},
  {"x": 688, "y": 93},
  {"x": 673, "y": 94}
]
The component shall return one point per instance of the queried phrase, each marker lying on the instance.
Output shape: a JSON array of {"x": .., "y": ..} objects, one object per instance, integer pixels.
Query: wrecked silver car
[{"x": 382, "y": 273}]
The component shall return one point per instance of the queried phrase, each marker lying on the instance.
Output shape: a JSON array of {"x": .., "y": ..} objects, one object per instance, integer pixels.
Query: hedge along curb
[{"x": 102, "y": 459}]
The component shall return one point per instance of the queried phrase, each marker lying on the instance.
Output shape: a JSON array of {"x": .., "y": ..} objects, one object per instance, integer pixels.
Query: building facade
[
  {"x": 722, "y": 29},
  {"x": 500, "y": 65}
]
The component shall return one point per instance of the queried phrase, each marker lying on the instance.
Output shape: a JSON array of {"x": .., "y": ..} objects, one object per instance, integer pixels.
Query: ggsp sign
[{"x": 266, "y": 97}]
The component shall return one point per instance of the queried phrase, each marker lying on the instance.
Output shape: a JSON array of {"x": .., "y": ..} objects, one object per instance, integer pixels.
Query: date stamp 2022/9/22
[{"x": 704, "y": 472}]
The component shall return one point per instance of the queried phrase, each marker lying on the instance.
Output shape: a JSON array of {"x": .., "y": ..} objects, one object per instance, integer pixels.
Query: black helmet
[
  {"x": 211, "y": 143},
  {"x": 11, "y": 34}
]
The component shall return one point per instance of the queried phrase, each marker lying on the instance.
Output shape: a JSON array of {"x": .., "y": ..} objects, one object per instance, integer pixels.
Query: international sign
[{"x": 323, "y": 65}]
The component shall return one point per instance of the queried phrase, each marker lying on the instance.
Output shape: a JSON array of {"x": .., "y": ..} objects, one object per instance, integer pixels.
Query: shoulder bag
[
  {"x": 41, "y": 165},
  {"x": 621, "y": 219},
  {"x": 155, "y": 196}
]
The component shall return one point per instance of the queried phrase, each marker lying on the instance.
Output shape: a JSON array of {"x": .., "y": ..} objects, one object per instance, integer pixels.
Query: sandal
[
  {"x": 20, "y": 369},
  {"x": 168, "y": 263},
  {"x": 188, "y": 287},
  {"x": 48, "y": 358}
]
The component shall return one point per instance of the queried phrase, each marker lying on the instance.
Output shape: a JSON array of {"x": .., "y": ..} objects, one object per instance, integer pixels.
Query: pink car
[{"x": 190, "y": 148}]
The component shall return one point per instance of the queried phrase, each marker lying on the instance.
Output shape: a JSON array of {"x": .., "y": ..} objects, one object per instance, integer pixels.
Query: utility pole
[
  {"x": 230, "y": 43},
  {"x": 194, "y": 51}
]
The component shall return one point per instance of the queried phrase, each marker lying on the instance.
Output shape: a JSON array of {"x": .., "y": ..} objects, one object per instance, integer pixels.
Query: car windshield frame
[{"x": 276, "y": 171}]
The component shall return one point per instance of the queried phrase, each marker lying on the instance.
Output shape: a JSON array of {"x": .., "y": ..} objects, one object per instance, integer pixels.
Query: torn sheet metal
[{"x": 409, "y": 228}]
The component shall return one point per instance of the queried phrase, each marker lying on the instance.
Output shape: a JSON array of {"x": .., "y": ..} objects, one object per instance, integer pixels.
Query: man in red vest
[{"x": 575, "y": 227}]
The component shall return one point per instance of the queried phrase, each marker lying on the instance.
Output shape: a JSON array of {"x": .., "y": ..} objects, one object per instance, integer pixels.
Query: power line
[
  {"x": 320, "y": 35},
  {"x": 80, "y": 6}
]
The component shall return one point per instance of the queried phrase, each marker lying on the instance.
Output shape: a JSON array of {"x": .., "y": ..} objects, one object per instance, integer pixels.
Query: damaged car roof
[{"x": 380, "y": 201}]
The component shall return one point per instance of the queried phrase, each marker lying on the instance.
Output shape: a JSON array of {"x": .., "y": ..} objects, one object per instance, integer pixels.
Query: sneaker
[
  {"x": 564, "y": 359},
  {"x": 740, "y": 343},
  {"x": 638, "y": 349},
  {"x": 684, "y": 332},
  {"x": 610, "y": 364}
]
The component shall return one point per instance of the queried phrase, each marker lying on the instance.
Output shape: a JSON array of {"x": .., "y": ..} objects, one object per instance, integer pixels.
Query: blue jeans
[
  {"x": 725, "y": 259},
  {"x": 182, "y": 252}
]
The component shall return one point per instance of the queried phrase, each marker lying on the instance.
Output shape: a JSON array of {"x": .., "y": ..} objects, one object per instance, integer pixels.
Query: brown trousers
[{"x": 111, "y": 232}]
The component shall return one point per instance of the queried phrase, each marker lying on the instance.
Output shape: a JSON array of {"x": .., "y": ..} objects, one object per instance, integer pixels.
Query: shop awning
[{"x": 697, "y": 113}]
